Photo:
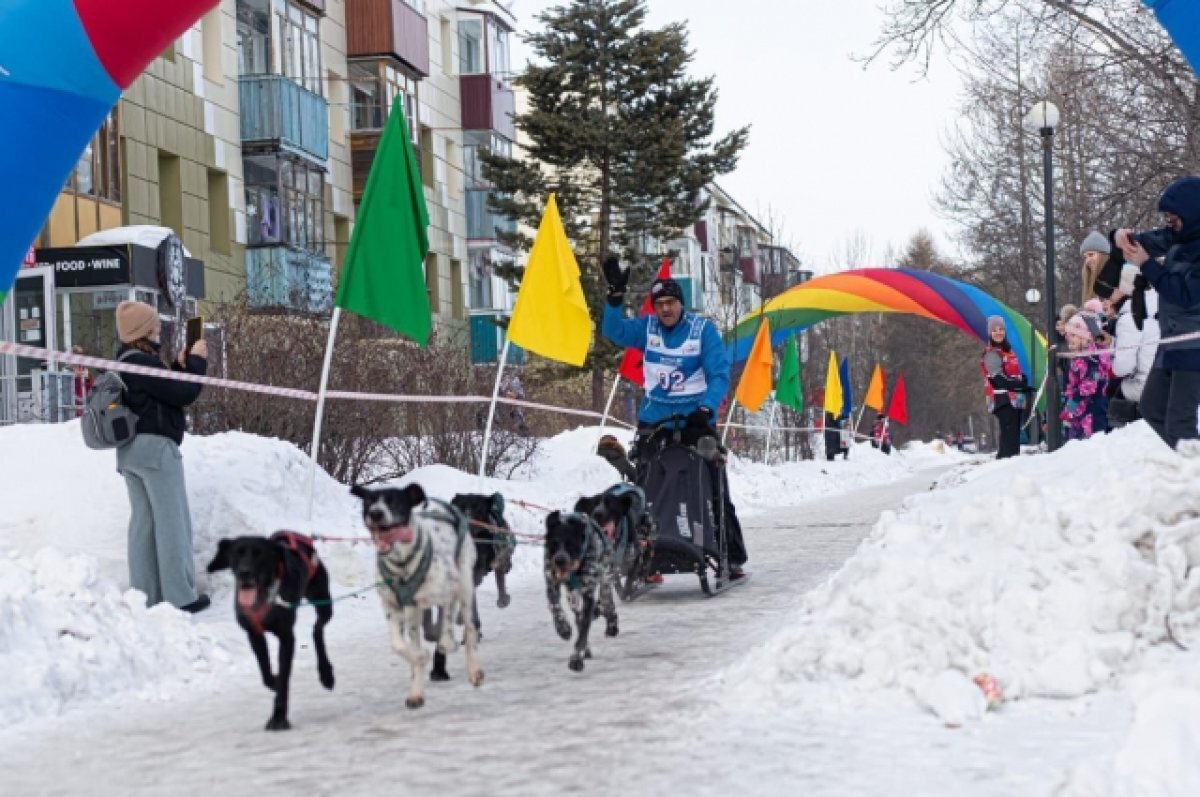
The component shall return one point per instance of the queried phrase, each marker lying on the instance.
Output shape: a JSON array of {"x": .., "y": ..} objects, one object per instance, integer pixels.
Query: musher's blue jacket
[{"x": 713, "y": 361}]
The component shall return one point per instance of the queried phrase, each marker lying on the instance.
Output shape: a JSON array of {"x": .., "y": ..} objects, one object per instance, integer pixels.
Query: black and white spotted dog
[
  {"x": 494, "y": 547},
  {"x": 426, "y": 561},
  {"x": 579, "y": 558},
  {"x": 623, "y": 516}
]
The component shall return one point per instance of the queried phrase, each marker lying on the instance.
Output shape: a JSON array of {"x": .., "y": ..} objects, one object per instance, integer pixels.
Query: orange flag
[
  {"x": 874, "y": 398},
  {"x": 755, "y": 384}
]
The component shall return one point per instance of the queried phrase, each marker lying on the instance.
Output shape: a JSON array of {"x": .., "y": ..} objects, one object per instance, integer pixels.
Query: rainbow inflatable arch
[{"x": 888, "y": 290}]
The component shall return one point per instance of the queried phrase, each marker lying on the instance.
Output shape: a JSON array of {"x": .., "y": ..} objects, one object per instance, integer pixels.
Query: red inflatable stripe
[{"x": 128, "y": 34}]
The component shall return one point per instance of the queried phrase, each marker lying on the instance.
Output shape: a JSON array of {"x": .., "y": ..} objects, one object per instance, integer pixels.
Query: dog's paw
[
  {"x": 503, "y": 601},
  {"x": 415, "y": 702},
  {"x": 476, "y": 678},
  {"x": 326, "y": 675},
  {"x": 612, "y": 630},
  {"x": 278, "y": 723},
  {"x": 563, "y": 628},
  {"x": 575, "y": 662},
  {"x": 439, "y": 674}
]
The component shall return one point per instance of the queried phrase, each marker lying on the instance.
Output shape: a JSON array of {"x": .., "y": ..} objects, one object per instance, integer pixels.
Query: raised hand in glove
[
  {"x": 616, "y": 276},
  {"x": 700, "y": 418}
]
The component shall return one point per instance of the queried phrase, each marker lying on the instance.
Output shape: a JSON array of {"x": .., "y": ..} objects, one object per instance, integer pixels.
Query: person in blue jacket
[
  {"x": 686, "y": 371},
  {"x": 1171, "y": 394}
]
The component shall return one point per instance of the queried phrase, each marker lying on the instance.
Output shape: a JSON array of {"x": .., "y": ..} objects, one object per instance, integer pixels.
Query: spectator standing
[
  {"x": 1136, "y": 342},
  {"x": 161, "y": 560},
  {"x": 1172, "y": 392}
]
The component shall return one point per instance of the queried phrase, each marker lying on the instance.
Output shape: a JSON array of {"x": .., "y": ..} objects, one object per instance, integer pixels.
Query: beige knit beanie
[{"x": 135, "y": 320}]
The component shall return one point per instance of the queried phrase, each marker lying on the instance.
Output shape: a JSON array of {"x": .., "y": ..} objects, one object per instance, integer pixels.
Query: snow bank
[{"x": 1053, "y": 574}]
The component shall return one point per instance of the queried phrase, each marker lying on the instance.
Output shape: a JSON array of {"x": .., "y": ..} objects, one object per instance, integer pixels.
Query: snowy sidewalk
[{"x": 533, "y": 728}]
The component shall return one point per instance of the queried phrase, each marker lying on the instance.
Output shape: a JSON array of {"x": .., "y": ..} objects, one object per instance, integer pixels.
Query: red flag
[
  {"x": 631, "y": 364},
  {"x": 898, "y": 407}
]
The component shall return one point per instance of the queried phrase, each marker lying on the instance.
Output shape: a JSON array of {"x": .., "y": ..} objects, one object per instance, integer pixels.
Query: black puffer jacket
[{"x": 159, "y": 403}]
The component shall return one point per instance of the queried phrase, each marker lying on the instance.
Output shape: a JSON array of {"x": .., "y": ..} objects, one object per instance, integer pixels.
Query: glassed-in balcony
[
  {"x": 276, "y": 110},
  {"x": 482, "y": 223},
  {"x": 288, "y": 279}
]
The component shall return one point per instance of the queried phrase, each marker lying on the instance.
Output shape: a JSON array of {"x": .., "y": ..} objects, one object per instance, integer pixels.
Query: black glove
[
  {"x": 700, "y": 418},
  {"x": 616, "y": 277}
]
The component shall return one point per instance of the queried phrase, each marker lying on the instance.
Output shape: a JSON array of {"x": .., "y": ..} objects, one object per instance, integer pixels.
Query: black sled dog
[{"x": 271, "y": 577}]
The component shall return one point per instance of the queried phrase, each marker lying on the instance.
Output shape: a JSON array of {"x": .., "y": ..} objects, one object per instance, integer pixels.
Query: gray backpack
[{"x": 107, "y": 421}]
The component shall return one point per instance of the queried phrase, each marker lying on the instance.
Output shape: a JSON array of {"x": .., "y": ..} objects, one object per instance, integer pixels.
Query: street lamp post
[
  {"x": 1043, "y": 117},
  {"x": 1033, "y": 296}
]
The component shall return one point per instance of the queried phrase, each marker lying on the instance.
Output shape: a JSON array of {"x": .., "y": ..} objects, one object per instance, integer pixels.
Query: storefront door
[{"x": 29, "y": 319}]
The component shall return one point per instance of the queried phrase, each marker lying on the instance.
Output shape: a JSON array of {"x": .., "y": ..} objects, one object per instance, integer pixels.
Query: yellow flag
[
  {"x": 755, "y": 384},
  {"x": 874, "y": 398},
  {"x": 550, "y": 316},
  {"x": 833, "y": 387}
]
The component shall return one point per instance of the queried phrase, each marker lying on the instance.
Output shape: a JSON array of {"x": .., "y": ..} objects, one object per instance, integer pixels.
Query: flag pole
[
  {"x": 487, "y": 434},
  {"x": 728, "y": 420},
  {"x": 612, "y": 394},
  {"x": 771, "y": 431},
  {"x": 316, "y": 442}
]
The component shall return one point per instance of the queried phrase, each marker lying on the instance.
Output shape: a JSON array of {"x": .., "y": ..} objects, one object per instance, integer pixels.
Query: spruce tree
[{"x": 620, "y": 132}]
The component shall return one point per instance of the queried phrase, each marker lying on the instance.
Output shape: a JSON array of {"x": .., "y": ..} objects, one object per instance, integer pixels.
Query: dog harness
[
  {"x": 573, "y": 582},
  {"x": 302, "y": 546},
  {"x": 405, "y": 589}
]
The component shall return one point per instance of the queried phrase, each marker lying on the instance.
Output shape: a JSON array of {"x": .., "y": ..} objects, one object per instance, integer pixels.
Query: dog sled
[{"x": 688, "y": 509}]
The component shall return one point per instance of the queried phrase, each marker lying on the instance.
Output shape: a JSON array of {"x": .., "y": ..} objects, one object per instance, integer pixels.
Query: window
[
  {"x": 447, "y": 35},
  {"x": 300, "y": 45},
  {"x": 98, "y": 171},
  {"x": 473, "y": 142},
  {"x": 470, "y": 46},
  {"x": 497, "y": 50},
  {"x": 285, "y": 202},
  {"x": 426, "y": 156},
  {"x": 480, "y": 275},
  {"x": 219, "y": 232},
  {"x": 373, "y": 87},
  {"x": 432, "y": 279},
  {"x": 170, "y": 192},
  {"x": 456, "y": 290},
  {"x": 254, "y": 37}
]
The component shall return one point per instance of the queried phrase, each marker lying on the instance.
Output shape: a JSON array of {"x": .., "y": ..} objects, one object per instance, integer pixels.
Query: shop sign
[
  {"x": 87, "y": 266},
  {"x": 108, "y": 300}
]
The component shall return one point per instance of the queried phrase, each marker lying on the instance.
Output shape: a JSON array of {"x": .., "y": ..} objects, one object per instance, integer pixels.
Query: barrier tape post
[
  {"x": 728, "y": 420},
  {"x": 612, "y": 394},
  {"x": 487, "y": 432},
  {"x": 316, "y": 441},
  {"x": 771, "y": 430}
]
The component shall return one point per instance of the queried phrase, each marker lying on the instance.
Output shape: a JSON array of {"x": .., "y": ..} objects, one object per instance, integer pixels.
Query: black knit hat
[{"x": 665, "y": 288}]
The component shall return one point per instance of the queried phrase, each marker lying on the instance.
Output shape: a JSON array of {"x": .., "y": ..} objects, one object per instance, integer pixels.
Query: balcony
[
  {"x": 487, "y": 104},
  {"x": 278, "y": 112},
  {"x": 380, "y": 28},
  {"x": 482, "y": 223},
  {"x": 289, "y": 279}
]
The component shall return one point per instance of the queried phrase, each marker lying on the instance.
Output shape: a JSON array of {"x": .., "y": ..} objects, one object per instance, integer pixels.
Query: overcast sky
[{"x": 834, "y": 149}]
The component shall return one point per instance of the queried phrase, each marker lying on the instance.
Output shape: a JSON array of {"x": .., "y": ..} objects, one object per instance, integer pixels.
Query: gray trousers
[
  {"x": 1169, "y": 403},
  {"x": 161, "y": 562}
]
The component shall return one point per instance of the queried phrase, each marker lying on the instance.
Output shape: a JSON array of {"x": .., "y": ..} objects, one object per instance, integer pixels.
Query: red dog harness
[{"x": 302, "y": 546}]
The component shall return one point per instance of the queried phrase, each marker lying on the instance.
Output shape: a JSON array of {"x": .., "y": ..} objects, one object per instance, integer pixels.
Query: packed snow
[
  {"x": 1056, "y": 577},
  {"x": 71, "y": 631}
]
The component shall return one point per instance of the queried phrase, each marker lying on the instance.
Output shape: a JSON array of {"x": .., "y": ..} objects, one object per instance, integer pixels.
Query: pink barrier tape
[{"x": 35, "y": 353}]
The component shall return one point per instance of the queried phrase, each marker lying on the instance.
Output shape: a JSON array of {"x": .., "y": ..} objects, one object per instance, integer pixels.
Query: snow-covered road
[{"x": 642, "y": 719}]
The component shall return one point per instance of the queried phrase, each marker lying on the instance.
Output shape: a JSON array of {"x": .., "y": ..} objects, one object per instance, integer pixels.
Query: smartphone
[{"x": 195, "y": 331}]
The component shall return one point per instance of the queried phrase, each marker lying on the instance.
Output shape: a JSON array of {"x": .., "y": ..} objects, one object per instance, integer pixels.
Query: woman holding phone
[{"x": 161, "y": 562}]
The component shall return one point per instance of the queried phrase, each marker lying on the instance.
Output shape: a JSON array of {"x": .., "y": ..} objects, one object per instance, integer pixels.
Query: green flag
[
  {"x": 383, "y": 277},
  {"x": 788, "y": 390}
]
